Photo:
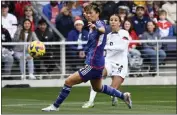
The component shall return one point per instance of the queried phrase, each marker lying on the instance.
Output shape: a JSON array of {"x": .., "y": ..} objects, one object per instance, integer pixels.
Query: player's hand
[
  {"x": 81, "y": 54},
  {"x": 91, "y": 25}
]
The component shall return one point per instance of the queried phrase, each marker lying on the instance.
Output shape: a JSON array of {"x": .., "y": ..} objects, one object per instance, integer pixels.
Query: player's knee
[
  {"x": 96, "y": 89},
  {"x": 68, "y": 82},
  {"x": 114, "y": 85}
]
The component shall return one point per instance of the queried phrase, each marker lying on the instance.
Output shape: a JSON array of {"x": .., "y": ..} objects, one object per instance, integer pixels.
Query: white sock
[{"x": 92, "y": 95}]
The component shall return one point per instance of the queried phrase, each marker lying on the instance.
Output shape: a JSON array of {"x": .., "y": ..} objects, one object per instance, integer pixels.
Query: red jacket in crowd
[{"x": 134, "y": 37}]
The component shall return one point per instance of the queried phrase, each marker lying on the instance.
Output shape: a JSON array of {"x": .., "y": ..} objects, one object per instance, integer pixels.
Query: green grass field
[{"x": 146, "y": 100}]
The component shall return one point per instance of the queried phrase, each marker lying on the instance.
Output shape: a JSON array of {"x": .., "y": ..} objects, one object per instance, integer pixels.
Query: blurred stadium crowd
[{"x": 144, "y": 20}]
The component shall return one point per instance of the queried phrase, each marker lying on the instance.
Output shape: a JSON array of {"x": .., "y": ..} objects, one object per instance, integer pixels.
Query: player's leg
[
  {"x": 69, "y": 82},
  {"x": 90, "y": 103},
  {"x": 19, "y": 56},
  {"x": 116, "y": 83},
  {"x": 30, "y": 67},
  {"x": 97, "y": 86}
]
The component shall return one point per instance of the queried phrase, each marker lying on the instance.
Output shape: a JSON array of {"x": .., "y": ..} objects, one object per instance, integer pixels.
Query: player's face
[
  {"x": 150, "y": 26},
  {"x": 127, "y": 25},
  {"x": 92, "y": 16},
  {"x": 27, "y": 25},
  {"x": 85, "y": 15},
  {"x": 43, "y": 26},
  {"x": 114, "y": 22}
]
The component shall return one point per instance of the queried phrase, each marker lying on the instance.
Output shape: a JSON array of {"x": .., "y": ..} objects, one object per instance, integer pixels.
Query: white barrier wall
[{"x": 60, "y": 82}]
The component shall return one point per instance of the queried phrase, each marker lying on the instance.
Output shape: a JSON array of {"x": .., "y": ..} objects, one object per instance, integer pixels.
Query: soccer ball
[{"x": 36, "y": 49}]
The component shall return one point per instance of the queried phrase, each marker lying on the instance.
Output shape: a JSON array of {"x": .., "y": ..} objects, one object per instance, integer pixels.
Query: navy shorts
[{"x": 90, "y": 73}]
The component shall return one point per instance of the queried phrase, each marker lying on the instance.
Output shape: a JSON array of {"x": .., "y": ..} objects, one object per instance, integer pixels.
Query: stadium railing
[{"x": 64, "y": 64}]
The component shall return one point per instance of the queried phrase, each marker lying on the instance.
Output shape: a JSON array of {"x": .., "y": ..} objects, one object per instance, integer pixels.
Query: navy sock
[
  {"x": 112, "y": 91},
  {"x": 62, "y": 96}
]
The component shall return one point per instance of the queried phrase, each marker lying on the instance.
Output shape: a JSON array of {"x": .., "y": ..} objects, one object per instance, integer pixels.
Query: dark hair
[
  {"x": 155, "y": 29},
  {"x": 41, "y": 21},
  {"x": 22, "y": 33},
  {"x": 25, "y": 21},
  {"x": 86, "y": 8},
  {"x": 93, "y": 6},
  {"x": 131, "y": 25},
  {"x": 117, "y": 16}
]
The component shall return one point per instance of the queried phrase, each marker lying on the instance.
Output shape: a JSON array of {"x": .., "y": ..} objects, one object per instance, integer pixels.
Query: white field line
[{"x": 77, "y": 103}]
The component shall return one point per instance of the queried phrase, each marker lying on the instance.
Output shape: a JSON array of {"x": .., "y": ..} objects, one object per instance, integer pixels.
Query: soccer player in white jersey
[{"x": 116, "y": 61}]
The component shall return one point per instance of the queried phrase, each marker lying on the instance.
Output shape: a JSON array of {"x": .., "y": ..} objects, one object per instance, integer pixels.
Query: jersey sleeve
[{"x": 99, "y": 24}]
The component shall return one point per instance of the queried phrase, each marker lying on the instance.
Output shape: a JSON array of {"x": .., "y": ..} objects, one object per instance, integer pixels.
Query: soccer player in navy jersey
[
  {"x": 116, "y": 58},
  {"x": 94, "y": 63}
]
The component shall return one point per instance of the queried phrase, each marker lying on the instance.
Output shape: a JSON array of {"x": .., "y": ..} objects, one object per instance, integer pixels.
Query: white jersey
[{"x": 116, "y": 52}]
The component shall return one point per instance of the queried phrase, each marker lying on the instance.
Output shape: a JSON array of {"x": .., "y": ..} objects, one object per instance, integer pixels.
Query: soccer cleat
[
  {"x": 22, "y": 77},
  {"x": 127, "y": 99},
  {"x": 114, "y": 101},
  {"x": 50, "y": 108},
  {"x": 88, "y": 105},
  {"x": 32, "y": 77}
]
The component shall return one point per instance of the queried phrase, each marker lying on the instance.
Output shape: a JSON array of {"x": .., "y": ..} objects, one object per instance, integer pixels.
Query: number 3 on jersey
[{"x": 120, "y": 67}]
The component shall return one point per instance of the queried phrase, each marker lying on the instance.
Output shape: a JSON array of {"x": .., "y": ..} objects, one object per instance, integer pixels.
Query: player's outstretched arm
[
  {"x": 101, "y": 29},
  {"x": 93, "y": 26}
]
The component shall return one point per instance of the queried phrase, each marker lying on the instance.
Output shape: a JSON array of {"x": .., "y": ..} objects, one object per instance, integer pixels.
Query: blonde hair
[{"x": 29, "y": 7}]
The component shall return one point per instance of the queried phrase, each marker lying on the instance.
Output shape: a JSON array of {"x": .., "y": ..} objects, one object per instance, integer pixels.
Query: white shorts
[{"x": 115, "y": 69}]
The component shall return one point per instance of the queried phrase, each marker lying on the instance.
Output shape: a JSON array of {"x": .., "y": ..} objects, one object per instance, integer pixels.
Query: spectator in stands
[
  {"x": 134, "y": 54},
  {"x": 7, "y": 51},
  {"x": 19, "y": 8},
  {"x": 127, "y": 25},
  {"x": 9, "y": 21},
  {"x": 25, "y": 34},
  {"x": 29, "y": 14},
  {"x": 76, "y": 9},
  {"x": 52, "y": 9},
  {"x": 150, "y": 49},
  {"x": 11, "y": 5},
  {"x": 170, "y": 8},
  {"x": 150, "y": 11},
  {"x": 156, "y": 7},
  {"x": 137, "y": 3},
  {"x": 45, "y": 35},
  {"x": 123, "y": 13},
  {"x": 64, "y": 22},
  {"x": 107, "y": 10},
  {"x": 76, "y": 52},
  {"x": 165, "y": 27},
  {"x": 139, "y": 20}
]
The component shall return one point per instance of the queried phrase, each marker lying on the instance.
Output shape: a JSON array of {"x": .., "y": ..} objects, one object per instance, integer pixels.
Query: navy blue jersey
[{"x": 95, "y": 47}]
